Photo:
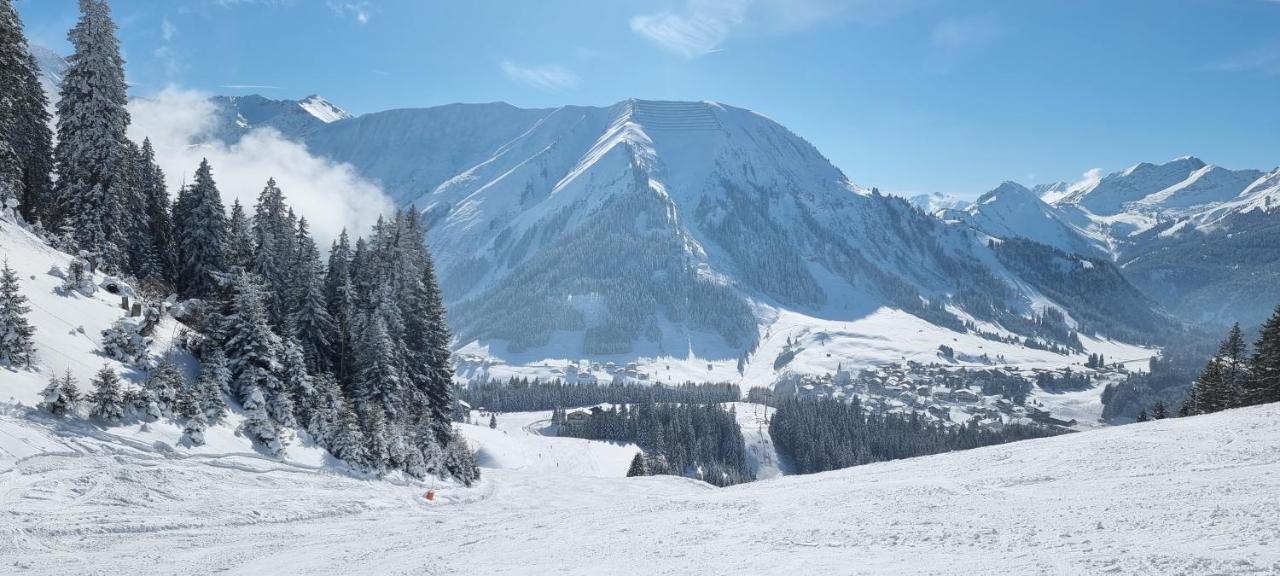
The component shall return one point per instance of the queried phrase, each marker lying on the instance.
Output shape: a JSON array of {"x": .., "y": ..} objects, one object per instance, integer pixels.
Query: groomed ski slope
[{"x": 1185, "y": 496}]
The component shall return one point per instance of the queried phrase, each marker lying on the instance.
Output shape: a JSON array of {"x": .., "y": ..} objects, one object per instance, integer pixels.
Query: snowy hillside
[
  {"x": 1182, "y": 496},
  {"x": 69, "y": 339}
]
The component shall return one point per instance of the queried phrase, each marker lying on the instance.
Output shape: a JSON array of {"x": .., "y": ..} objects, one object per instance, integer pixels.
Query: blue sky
[{"x": 907, "y": 95}]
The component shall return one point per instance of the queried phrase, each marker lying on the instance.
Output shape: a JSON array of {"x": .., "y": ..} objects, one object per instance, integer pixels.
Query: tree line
[
  {"x": 700, "y": 441},
  {"x": 820, "y": 434},
  {"x": 354, "y": 351},
  {"x": 528, "y": 395}
]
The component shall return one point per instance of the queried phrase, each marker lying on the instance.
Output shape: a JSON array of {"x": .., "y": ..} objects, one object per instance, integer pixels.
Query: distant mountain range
[
  {"x": 1200, "y": 238},
  {"x": 651, "y": 229}
]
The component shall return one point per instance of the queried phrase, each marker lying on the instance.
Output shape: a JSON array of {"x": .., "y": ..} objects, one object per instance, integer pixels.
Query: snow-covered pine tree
[
  {"x": 493, "y": 421},
  {"x": 348, "y": 441},
  {"x": 163, "y": 385},
  {"x": 1235, "y": 368},
  {"x": 379, "y": 382},
  {"x": 201, "y": 226},
  {"x": 91, "y": 153},
  {"x": 215, "y": 365},
  {"x": 311, "y": 320},
  {"x": 1263, "y": 384},
  {"x": 61, "y": 396},
  {"x": 637, "y": 466},
  {"x": 24, "y": 117},
  {"x": 210, "y": 388},
  {"x": 257, "y": 422},
  {"x": 339, "y": 293},
  {"x": 253, "y": 350},
  {"x": 376, "y": 439},
  {"x": 239, "y": 249},
  {"x": 435, "y": 352},
  {"x": 1208, "y": 389},
  {"x": 325, "y": 410},
  {"x": 106, "y": 400},
  {"x": 298, "y": 383},
  {"x": 160, "y": 262},
  {"x": 194, "y": 429},
  {"x": 273, "y": 249},
  {"x": 17, "y": 346}
]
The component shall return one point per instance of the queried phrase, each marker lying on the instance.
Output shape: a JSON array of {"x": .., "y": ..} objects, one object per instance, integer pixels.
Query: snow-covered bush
[
  {"x": 78, "y": 278},
  {"x": 123, "y": 342},
  {"x": 61, "y": 396}
]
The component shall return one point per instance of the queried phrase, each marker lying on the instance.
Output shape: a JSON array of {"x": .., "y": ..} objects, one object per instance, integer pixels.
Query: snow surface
[{"x": 1194, "y": 496}]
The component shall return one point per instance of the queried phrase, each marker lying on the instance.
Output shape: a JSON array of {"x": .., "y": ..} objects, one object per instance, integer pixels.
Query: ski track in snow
[{"x": 1186, "y": 496}]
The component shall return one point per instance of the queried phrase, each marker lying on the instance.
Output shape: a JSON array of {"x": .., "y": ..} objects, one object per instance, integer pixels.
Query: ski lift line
[{"x": 75, "y": 327}]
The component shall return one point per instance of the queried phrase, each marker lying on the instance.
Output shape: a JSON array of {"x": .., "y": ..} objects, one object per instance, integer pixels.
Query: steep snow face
[
  {"x": 1262, "y": 196},
  {"x": 1013, "y": 211},
  {"x": 1208, "y": 185},
  {"x": 323, "y": 110},
  {"x": 52, "y": 66},
  {"x": 1109, "y": 195},
  {"x": 413, "y": 151}
]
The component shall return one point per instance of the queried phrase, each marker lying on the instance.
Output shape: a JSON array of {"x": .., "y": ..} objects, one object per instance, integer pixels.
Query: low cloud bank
[{"x": 331, "y": 195}]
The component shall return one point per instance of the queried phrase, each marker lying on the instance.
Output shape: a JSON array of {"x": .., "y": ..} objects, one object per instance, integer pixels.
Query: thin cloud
[
  {"x": 965, "y": 33},
  {"x": 553, "y": 78},
  {"x": 701, "y": 27},
  {"x": 359, "y": 10},
  {"x": 697, "y": 30},
  {"x": 1264, "y": 60},
  {"x": 331, "y": 195},
  {"x": 167, "y": 29}
]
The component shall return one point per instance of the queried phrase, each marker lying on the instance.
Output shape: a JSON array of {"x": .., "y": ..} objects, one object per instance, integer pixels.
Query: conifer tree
[
  {"x": 312, "y": 323},
  {"x": 91, "y": 154},
  {"x": 107, "y": 399},
  {"x": 160, "y": 261},
  {"x": 340, "y": 300},
  {"x": 1234, "y": 368},
  {"x": 61, "y": 395},
  {"x": 348, "y": 442},
  {"x": 380, "y": 380},
  {"x": 1208, "y": 389},
  {"x": 163, "y": 386},
  {"x": 1263, "y": 384},
  {"x": 257, "y": 422},
  {"x": 200, "y": 220},
  {"x": 17, "y": 347},
  {"x": 239, "y": 249},
  {"x": 637, "y": 466},
  {"x": 376, "y": 440},
  {"x": 209, "y": 390},
  {"x": 1159, "y": 412},
  {"x": 24, "y": 119}
]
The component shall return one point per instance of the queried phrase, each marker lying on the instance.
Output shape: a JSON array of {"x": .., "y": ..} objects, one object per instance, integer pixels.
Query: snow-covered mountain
[
  {"x": 938, "y": 201},
  {"x": 236, "y": 115},
  {"x": 52, "y": 66},
  {"x": 1197, "y": 237},
  {"x": 679, "y": 235},
  {"x": 1012, "y": 210}
]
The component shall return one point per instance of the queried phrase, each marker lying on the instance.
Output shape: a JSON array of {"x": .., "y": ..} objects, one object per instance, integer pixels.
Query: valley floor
[{"x": 1187, "y": 496}]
